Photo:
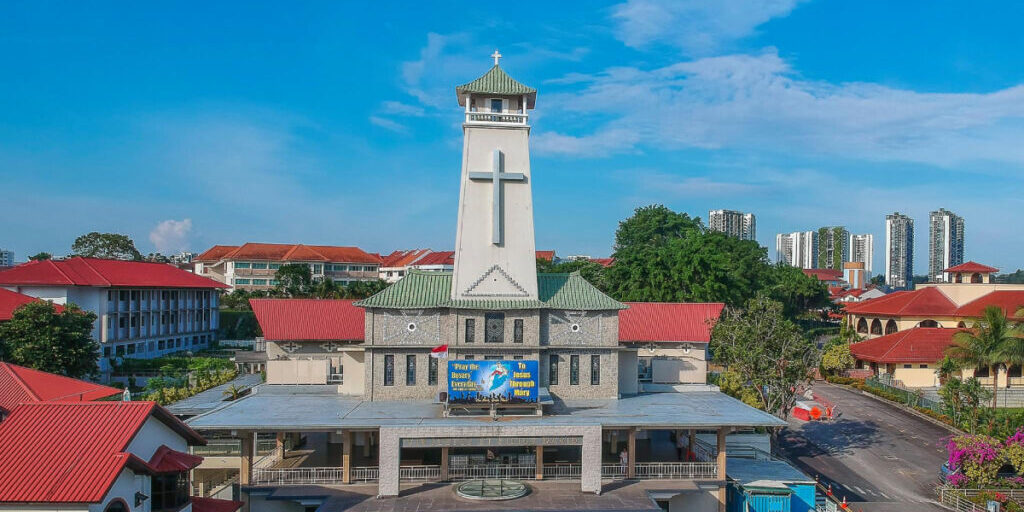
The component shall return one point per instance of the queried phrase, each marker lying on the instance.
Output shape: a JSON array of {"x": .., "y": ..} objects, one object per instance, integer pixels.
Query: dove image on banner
[{"x": 512, "y": 382}]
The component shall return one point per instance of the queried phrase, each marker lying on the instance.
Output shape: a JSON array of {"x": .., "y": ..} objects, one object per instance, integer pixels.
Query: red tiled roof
[
  {"x": 79, "y": 271},
  {"x": 604, "y": 262},
  {"x": 667, "y": 321},
  {"x": 546, "y": 255},
  {"x": 200, "y": 504},
  {"x": 437, "y": 258},
  {"x": 917, "y": 345},
  {"x": 927, "y": 301},
  {"x": 288, "y": 252},
  {"x": 309, "y": 319},
  {"x": 824, "y": 274},
  {"x": 9, "y": 301},
  {"x": 166, "y": 460},
  {"x": 19, "y": 384},
  {"x": 402, "y": 258},
  {"x": 972, "y": 266},
  {"x": 71, "y": 452},
  {"x": 1010, "y": 301}
]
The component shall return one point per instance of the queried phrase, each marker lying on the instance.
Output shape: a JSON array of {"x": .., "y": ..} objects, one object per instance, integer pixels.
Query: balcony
[{"x": 500, "y": 118}]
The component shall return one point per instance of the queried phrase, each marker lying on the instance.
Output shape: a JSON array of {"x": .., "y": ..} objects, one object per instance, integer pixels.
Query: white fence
[
  {"x": 419, "y": 473},
  {"x": 676, "y": 470},
  {"x": 520, "y": 471}
]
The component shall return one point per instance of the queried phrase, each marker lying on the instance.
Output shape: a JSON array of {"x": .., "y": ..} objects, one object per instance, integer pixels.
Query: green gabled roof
[
  {"x": 495, "y": 81},
  {"x": 420, "y": 289}
]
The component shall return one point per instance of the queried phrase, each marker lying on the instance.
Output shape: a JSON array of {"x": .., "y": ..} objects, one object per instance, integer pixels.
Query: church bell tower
[{"x": 495, "y": 254}]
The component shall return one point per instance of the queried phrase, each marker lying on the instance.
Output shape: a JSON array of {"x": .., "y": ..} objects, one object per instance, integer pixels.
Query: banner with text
[{"x": 507, "y": 382}]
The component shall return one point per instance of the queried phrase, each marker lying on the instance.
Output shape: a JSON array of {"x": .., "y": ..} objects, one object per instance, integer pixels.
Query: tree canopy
[
  {"x": 759, "y": 343},
  {"x": 39, "y": 337},
  {"x": 294, "y": 279},
  {"x": 993, "y": 340},
  {"x": 41, "y": 256},
  {"x": 106, "y": 245}
]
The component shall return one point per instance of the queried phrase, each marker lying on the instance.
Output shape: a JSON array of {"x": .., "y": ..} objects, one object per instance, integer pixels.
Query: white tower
[{"x": 495, "y": 255}]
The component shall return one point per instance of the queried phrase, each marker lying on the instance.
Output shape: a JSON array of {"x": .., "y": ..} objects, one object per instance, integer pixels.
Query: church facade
[{"x": 489, "y": 370}]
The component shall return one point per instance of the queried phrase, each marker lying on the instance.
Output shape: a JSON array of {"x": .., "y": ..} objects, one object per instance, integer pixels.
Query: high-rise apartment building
[
  {"x": 899, "y": 250},
  {"x": 797, "y": 249},
  {"x": 733, "y": 223},
  {"x": 945, "y": 242},
  {"x": 833, "y": 247},
  {"x": 862, "y": 249},
  {"x": 6, "y": 258}
]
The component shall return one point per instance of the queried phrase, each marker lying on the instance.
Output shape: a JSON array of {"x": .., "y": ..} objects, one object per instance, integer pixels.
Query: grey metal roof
[
  {"x": 211, "y": 398},
  {"x": 771, "y": 473},
  {"x": 295, "y": 408}
]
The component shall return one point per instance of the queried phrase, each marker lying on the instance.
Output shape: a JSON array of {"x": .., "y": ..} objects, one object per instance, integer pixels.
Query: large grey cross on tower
[{"x": 496, "y": 176}]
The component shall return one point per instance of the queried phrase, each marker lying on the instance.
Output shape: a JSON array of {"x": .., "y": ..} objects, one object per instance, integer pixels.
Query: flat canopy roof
[
  {"x": 273, "y": 408},
  {"x": 771, "y": 474}
]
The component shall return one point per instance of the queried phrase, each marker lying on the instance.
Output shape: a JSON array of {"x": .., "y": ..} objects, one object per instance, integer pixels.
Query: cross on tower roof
[{"x": 496, "y": 56}]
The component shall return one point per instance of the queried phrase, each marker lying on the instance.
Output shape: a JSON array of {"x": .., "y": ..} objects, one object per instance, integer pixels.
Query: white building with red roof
[
  {"x": 671, "y": 339},
  {"x": 253, "y": 266},
  {"x": 143, "y": 309},
  {"x": 908, "y": 331},
  {"x": 136, "y": 459}
]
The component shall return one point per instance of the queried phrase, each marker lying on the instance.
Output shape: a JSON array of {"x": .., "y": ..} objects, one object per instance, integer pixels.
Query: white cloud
[
  {"x": 401, "y": 109},
  {"x": 388, "y": 124},
  {"x": 757, "y": 102},
  {"x": 697, "y": 27},
  {"x": 171, "y": 236}
]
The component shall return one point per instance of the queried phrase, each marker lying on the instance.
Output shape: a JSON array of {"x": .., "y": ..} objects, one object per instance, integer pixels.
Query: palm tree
[
  {"x": 1013, "y": 351},
  {"x": 987, "y": 344},
  {"x": 233, "y": 392}
]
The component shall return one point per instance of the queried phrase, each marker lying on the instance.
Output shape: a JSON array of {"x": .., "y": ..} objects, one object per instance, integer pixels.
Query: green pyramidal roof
[
  {"x": 420, "y": 289},
  {"x": 496, "y": 81}
]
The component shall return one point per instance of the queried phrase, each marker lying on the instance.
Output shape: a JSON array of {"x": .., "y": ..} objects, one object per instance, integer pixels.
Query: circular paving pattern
[{"x": 492, "y": 490}]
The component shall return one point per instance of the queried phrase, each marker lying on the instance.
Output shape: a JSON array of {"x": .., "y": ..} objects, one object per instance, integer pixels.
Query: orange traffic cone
[{"x": 843, "y": 505}]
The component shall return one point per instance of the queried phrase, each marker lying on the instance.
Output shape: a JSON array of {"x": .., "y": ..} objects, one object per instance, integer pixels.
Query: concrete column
[
  {"x": 615, "y": 443},
  {"x": 631, "y": 454},
  {"x": 445, "y": 459},
  {"x": 721, "y": 467},
  {"x": 390, "y": 454},
  {"x": 540, "y": 463},
  {"x": 590, "y": 473},
  {"x": 368, "y": 437},
  {"x": 280, "y": 445},
  {"x": 693, "y": 441},
  {"x": 346, "y": 458},
  {"x": 248, "y": 441},
  {"x": 1003, "y": 377}
]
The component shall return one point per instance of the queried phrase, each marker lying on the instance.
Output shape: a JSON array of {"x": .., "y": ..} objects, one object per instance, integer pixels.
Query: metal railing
[
  {"x": 911, "y": 397},
  {"x": 419, "y": 473},
  {"x": 297, "y": 476},
  {"x": 613, "y": 471},
  {"x": 561, "y": 471},
  {"x": 233, "y": 447},
  {"x": 365, "y": 474},
  {"x": 522, "y": 471},
  {"x": 1013, "y": 494},
  {"x": 676, "y": 470},
  {"x": 955, "y": 499},
  {"x": 496, "y": 117}
]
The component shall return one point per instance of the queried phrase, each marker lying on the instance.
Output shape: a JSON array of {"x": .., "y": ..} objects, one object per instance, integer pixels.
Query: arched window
[
  {"x": 976, "y": 278},
  {"x": 928, "y": 323},
  {"x": 862, "y": 326},
  {"x": 117, "y": 505},
  {"x": 961, "y": 325},
  {"x": 876, "y": 326},
  {"x": 890, "y": 326},
  {"x": 959, "y": 278}
]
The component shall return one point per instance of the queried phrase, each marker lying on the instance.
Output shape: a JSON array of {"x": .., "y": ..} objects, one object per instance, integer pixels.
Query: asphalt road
[{"x": 878, "y": 456}]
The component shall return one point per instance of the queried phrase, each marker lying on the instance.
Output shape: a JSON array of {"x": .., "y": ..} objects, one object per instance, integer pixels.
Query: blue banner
[{"x": 507, "y": 382}]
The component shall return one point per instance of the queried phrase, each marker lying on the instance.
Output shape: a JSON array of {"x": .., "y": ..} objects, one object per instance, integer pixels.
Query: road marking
[
  {"x": 859, "y": 490},
  {"x": 884, "y": 495}
]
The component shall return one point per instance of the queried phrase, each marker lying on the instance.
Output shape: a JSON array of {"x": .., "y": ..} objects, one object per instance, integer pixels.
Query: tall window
[
  {"x": 170, "y": 492},
  {"x": 494, "y": 328},
  {"x": 470, "y": 330},
  {"x": 432, "y": 371},
  {"x": 595, "y": 370},
  {"x": 410, "y": 370},
  {"x": 574, "y": 370},
  {"x": 553, "y": 370},
  {"x": 389, "y": 370},
  {"x": 517, "y": 331}
]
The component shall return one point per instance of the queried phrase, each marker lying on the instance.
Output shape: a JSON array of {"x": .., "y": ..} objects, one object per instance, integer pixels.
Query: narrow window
[
  {"x": 574, "y": 370},
  {"x": 595, "y": 370},
  {"x": 389, "y": 370},
  {"x": 517, "y": 331},
  {"x": 470, "y": 330},
  {"x": 494, "y": 328},
  {"x": 410, "y": 370},
  {"x": 553, "y": 370},
  {"x": 432, "y": 371}
]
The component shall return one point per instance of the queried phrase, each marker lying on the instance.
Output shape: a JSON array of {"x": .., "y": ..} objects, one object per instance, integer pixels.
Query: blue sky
[{"x": 188, "y": 125}]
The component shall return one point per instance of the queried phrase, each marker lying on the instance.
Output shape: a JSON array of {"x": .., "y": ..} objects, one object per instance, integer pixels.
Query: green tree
[
  {"x": 761, "y": 344},
  {"x": 837, "y": 358},
  {"x": 157, "y": 258},
  {"x": 592, "y": 272},
  {"x": 797, "y": 291},
  {"x": 295, "y": 280},
  {"x": 106, "y": 245},
  {"x": 364, "y": 289},
  {"x": 237, "y": 299},
  {"x": 877, "y": 280},
  {"x": 328, "y": 289},
  {"x": 661, "y": 256},
  {"x": 989, "y": 343},
  {"x": 38, "y": 336},
  {"x": 41, "y": 256},
  {"x": 963, "y": 401}
]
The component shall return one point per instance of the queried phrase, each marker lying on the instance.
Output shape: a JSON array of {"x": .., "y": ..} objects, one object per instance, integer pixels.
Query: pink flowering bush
[
  {"x": 977, "y": 460},
  {"x": 1013, "y": 454}
]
